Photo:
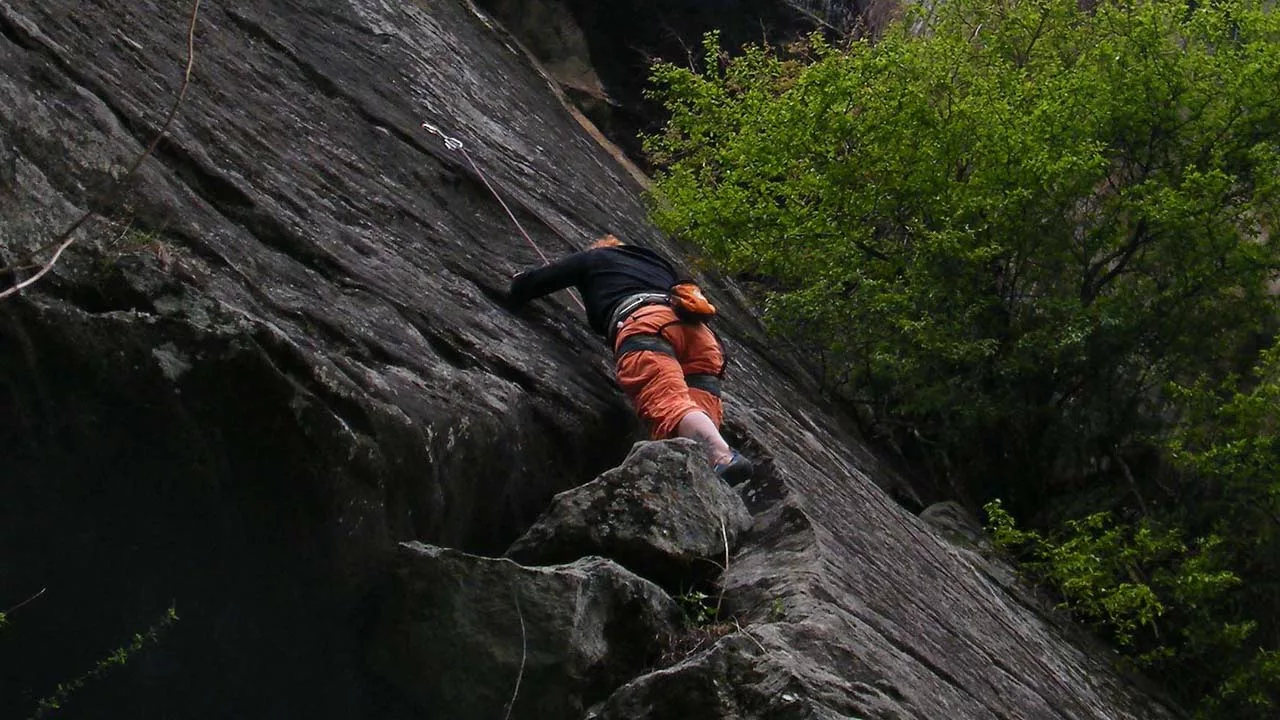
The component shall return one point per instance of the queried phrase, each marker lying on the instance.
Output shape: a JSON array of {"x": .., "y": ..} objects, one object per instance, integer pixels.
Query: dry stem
[{"x": 64, "y": 240}]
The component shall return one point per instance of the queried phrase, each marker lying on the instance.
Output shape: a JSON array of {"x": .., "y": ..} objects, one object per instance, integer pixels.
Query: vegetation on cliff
[{"x": 1034, "y": 246}]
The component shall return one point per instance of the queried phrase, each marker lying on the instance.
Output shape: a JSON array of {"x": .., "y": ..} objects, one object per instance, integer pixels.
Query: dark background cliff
[{"x": 600, "y": 53}]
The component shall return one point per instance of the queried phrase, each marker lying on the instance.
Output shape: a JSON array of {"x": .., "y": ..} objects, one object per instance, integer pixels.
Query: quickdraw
[{"x": 456, "y": 145}]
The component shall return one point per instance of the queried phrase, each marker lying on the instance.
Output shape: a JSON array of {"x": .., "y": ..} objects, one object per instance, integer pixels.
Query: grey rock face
[
  {"x": 808, "y": 647},
  {"x": 968, "y": 540},
  {"x": 463, "y": 635},
  {"x": 759, "y": 673},
  {"x": 278, "y": 353},
  {"x": 661, "y": 513}
]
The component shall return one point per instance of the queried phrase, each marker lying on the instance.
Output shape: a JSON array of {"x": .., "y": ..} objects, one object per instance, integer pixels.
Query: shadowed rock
[
  {"x": 464, "y": 634},
  {"x": 662, "y": 513},
  {"x": 956, "y": 524},
  {"x": 757, "y": 674}
]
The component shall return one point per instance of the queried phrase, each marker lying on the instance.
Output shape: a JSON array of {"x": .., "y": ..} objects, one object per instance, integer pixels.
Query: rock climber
[{"x": 668, "y": 361}]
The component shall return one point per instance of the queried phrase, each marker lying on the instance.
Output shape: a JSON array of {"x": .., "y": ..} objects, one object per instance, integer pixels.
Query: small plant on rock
[
  {"x": 698, "y": 607},
  {"x": 703, "y": 626}
]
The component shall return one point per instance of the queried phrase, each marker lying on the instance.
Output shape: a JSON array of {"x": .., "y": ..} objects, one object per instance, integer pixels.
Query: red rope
[{"x": 503, "y": 203}]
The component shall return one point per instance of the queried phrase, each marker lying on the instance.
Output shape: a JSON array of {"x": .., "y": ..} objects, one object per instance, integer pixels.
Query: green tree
[
  {"x": 1228, "y": 449},
  {"x": 1004, "y": 226},
  {"x": 1031, "y": 243},
  {"x": 1171, "y": 606}
]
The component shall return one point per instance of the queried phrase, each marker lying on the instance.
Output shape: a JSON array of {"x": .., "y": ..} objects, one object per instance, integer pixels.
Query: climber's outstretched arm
[{"x": 535, "y": 283}]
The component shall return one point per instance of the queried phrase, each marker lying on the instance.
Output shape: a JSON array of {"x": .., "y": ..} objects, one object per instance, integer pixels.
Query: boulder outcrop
[
  {"x": 662, "y": 513},
  {"x": 278, "y": 353},
  {"x": 471, "y": 637}
]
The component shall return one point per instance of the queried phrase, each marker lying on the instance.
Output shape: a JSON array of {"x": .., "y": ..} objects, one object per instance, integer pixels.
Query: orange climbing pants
[{"x": 655, "y": 379}]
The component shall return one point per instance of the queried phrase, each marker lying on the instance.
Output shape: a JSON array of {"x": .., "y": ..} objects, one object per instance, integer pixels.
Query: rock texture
[
  {"x": 757, "y": 674},
  {"x": 661, "y": 513},
  {"x": 830, "y": 629},
  {"x": 464, "y": 636},
  {"x": 278, "y": 353}
]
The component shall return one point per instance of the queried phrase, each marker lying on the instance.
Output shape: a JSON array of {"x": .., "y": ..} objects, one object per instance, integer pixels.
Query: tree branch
[
  {"x": 24, "y": 602},
  {"x": 1121, "y": 257}
]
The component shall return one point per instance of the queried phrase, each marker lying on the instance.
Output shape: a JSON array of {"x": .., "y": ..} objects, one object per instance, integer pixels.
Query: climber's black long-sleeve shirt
[{"x": 602, "y": 275}]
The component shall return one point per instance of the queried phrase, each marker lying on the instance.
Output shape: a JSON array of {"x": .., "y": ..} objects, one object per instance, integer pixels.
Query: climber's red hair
[{"x": 606, "y": 241}]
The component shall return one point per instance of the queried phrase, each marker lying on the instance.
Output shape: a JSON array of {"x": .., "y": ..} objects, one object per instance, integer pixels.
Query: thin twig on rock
[
  {"x": 64, "y": 240},
  {"x": 725, "y": 535},
  {"x": 524, "y": 654},
  {"x": 747, "y": 632}
]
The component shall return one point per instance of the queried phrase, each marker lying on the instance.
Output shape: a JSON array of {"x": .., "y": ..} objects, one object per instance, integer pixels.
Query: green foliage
[
  {"x": 1170, "y": 606},
  {"x": 777, "y": 610},
  {"x": 1203, "y": 612},
  {"x": 1228, "y": 444},
  {"x": 1001, "y": 236},
  {"x": 118, "y": 658},
  {"x": 699, "y": 608},
  {"x": 1228, "y": 448}
]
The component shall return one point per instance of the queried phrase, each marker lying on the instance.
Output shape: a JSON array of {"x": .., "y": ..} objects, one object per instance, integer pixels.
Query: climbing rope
[{"x": 456, "y": 145}]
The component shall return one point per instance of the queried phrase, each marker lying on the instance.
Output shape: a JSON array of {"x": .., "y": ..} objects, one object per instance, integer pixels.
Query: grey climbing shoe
[{"x": 737, "y": 471}]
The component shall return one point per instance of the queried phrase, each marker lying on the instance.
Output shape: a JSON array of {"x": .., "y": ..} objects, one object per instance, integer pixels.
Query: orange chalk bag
[{"x": 690, "y": 304}]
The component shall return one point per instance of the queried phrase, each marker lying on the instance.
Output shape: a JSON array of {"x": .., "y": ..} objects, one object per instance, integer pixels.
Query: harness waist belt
[
  {"x": 636, "y": 343},
  {"x": 630, "y": 304},
  {"x": 639, "y": 343}
]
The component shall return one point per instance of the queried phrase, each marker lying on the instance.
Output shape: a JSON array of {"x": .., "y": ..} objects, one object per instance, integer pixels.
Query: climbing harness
[
  {"x": 456, "y": 145},
  {"x": 686, "y": 299},
  {"x": 630, "y": 304},
  {"x": 707, "y": 382},
  {"x": 655, "y": 342}
]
